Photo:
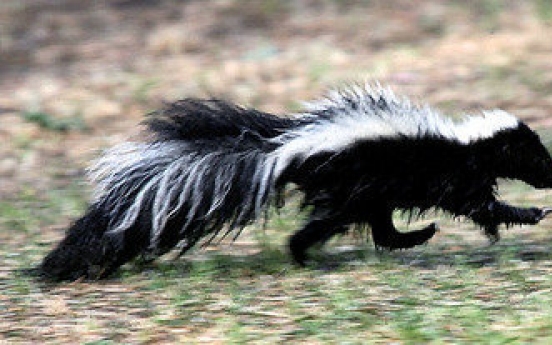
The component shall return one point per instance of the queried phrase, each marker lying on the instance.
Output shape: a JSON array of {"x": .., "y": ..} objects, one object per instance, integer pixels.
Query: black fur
[
  {"x": 366, "y": 183},
  {"x": 356, "y": 184}
]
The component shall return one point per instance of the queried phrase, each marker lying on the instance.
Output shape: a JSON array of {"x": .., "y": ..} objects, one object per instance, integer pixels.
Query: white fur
[
  {"x": 170, "y": 174},
  {"x": 354, "y": 115},
  {"x": 156, "y": 166}
]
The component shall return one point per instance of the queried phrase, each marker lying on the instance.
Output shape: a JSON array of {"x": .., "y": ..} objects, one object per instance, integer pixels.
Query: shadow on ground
[{"x": 271, "y": 261}]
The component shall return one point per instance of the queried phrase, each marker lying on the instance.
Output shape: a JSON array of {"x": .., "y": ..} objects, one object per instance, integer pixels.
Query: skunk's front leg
[{"x": 494, "y": 213}]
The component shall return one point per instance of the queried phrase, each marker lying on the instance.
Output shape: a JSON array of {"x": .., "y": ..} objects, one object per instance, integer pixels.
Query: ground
[{"x": 77, "y": 77}]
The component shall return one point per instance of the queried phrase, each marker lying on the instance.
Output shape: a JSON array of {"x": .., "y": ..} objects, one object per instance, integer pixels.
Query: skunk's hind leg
[
  {"x": 385, "y": 235},
  {"x": 316, "y": 231}
]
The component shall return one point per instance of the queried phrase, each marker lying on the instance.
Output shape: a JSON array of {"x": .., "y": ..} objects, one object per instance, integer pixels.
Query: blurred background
[{"x": 77, "y": 76}]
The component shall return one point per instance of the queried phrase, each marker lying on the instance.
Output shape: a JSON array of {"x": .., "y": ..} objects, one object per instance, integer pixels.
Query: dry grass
[{"x": 77, "y": 76}]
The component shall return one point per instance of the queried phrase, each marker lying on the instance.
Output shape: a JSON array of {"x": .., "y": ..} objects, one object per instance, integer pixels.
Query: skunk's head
[{"x": 522, "y": 156}]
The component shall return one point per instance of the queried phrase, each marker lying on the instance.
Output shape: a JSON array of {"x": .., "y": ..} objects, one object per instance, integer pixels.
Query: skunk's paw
[
  {"x": 543, "y": 212},
  {"x": 534, "y": 215}
]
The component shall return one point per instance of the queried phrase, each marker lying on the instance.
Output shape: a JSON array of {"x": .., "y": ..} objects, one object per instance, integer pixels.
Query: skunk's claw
[
  {"x": 539, "y": 214},
  {"x": 545, "y": 212}
]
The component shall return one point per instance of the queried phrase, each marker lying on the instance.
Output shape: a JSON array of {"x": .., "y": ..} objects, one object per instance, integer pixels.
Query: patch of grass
[
  {"x": 518, "y": 72},
  {"x": 101, "y": 342},
  {"x": 318, "y": 71},
  {"x": 253, "y": 14},
  {"x": 31, "y": 211},
  {"x": 490, "y": 11},
  {"x": 536, "y": 81},
  {"x": 486, "y": 12},
  {"x": 16, "y": 217},
  {"x": 543, "y": 9},
  {"x": 142, "y": 90},
  {"x": 546, "y": 136},
  {"x": 49, "y": 122}
]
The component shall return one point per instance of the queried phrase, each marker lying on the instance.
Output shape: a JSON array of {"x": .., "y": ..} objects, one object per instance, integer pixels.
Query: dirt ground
[{"x": 78, "y": 76}]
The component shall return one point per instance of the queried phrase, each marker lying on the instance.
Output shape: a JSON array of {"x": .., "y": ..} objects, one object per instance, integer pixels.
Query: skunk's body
[{"x": 212, "y": 168}]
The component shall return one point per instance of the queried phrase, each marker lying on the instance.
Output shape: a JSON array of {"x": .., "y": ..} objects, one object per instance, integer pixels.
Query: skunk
[{"x": 210, "y": 168}]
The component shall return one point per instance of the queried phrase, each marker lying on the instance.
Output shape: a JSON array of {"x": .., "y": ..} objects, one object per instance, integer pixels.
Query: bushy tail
[
  {"x": 83, "y": 252},
  {"x": 207, "y": 170}
]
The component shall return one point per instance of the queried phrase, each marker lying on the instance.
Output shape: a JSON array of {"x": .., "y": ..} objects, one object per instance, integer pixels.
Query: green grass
[
  {"x": 427, "y": 295},
  {"x": 49, "y": 122},
  {"x": 32, "y": 210},
  {"x": 448, "y": 291},
  {"x": 543, "y": 9}
]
